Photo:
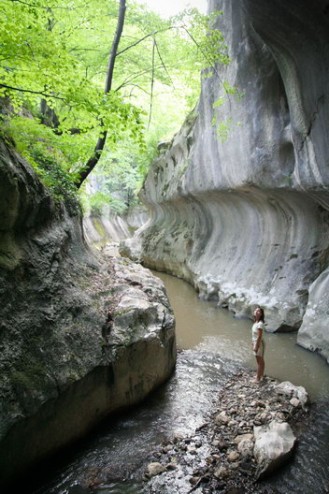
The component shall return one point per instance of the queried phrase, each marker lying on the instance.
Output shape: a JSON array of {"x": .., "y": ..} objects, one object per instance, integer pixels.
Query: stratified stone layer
[
  {"x": 239, "y": 202},
  {"x": 80, "y": 336}
]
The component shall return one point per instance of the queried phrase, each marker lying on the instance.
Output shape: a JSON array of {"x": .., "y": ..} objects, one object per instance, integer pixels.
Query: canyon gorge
[
  {"x": 239, "y": 199},
  {"x": 238, "y": 206},
  {"x": 81, "y": 336}
]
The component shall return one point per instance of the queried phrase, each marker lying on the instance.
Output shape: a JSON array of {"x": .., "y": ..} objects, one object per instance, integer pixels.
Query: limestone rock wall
[
  {"x": 244, "y": 216},
  {"x": 80, "y": 336},
  {"x": 112, "y": 228}
]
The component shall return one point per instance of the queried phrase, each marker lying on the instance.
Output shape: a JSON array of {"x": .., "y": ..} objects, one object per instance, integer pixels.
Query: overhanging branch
[{"x": 39, "y": 93}]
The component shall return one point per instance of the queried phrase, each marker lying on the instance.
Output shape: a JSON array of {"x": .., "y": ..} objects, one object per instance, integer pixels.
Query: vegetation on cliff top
[{"x": 54, "y": 65}]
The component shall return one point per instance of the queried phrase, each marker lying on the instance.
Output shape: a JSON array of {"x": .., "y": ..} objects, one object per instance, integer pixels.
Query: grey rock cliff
[
  {"x": 245, "y": 218},
  {"x": 80, "y": 336}
]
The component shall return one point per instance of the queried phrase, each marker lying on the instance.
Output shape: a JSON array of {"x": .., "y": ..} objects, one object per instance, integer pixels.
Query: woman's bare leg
[{"x": 260, "y": 367}]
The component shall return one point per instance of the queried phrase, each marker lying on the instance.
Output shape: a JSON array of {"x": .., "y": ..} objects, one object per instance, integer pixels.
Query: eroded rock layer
[
  {"x": 239, "y": 202},
  {"x": 80, "y": 336}
]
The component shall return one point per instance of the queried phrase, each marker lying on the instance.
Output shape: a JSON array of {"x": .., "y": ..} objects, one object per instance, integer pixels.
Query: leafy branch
[
  {"x": 30, "y": 91},
  {"x": 72, "y": 99}
]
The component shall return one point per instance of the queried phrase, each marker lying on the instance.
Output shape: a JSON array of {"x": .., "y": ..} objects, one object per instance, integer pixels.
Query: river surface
[{"x": 212, "y": 344}]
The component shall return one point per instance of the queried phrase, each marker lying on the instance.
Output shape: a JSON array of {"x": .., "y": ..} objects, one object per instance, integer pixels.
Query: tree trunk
[{"x": 92, "y": 162}]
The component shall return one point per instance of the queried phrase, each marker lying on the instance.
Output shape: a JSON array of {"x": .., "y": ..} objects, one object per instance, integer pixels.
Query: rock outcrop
[
  {"x": 80, "y": 336},
  {"x": 244, "y": 216}
]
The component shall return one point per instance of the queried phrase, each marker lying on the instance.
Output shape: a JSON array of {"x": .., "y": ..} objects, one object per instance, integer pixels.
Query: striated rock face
[
  {"x": 101, "y": 230},
  {"x": 80, "y": 336},
  {"x": 314, "y": 332},
  {"x": 244, "y": 216}
]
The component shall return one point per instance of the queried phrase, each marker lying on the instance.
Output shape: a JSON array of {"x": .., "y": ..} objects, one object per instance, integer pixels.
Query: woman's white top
[{"x": 254, "y": 330}]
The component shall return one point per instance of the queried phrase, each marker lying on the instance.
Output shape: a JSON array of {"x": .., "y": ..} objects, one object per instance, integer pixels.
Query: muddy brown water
[
  {"x": 213, "y": 345},
  {"x": 201, "y": 325}
]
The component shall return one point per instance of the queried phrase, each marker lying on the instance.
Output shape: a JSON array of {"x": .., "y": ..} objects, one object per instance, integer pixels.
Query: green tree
[
  {"x": 54, "y": 64},
  {"x": 93, "y": 160}
]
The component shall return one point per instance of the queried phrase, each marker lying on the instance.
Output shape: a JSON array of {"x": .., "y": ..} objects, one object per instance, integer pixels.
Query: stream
[{"x": 212, "y": 346}]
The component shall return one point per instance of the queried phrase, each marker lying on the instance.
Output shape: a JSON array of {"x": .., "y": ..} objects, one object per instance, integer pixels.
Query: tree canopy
[{"x": 53, "y": 71}]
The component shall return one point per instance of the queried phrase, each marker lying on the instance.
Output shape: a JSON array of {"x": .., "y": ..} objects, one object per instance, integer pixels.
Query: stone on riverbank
[
  {"x": 297, "y": 394},
  {"x": 274, "y": 444}
]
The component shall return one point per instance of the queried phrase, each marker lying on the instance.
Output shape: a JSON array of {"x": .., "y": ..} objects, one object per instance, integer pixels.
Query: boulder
[
  {"x": 274, "y": 444},
  {"x": 298, "y": 394}
]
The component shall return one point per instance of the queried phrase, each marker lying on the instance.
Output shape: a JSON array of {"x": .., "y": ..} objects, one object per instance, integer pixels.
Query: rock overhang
[{"x": 245, "y": 218}]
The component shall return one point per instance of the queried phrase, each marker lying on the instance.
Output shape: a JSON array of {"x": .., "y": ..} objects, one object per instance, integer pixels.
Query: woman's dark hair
[{"x": 262, "y": 316}]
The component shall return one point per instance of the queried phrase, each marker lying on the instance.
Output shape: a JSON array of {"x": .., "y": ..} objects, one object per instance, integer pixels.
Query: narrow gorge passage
[{"x": 213, "y": 345}]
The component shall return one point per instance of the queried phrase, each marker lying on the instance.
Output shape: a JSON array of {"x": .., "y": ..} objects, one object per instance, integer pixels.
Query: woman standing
[{"x": 258, "y": 344}]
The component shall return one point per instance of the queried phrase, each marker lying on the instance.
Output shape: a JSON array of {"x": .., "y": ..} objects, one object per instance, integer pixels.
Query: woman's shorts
[{"x": 261, "y": 350}]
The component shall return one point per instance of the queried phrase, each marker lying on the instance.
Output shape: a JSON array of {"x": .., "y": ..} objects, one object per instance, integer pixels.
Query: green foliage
[
  {"x": 223, "y": 129},
  {"x": 116, "y": 180},
  {"x": 209, "y": 42},
  {"x": 46, "y": 53},
  {"x": 56, "y": 52},
  {"x": 52, "y": 175},
  {"x": 97, "y": 201},
  {"x": 39, "y": 145},
  {"x": 65, "y": 149}
]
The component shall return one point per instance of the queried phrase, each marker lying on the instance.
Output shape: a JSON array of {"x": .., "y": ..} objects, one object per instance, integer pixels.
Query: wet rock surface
[
  {"x": 78, "y": 331},
  {"x": 221, "y": 456}
]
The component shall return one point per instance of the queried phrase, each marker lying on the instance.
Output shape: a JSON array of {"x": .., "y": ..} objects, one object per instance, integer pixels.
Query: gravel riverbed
[{"x": 220, "y": 456}]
